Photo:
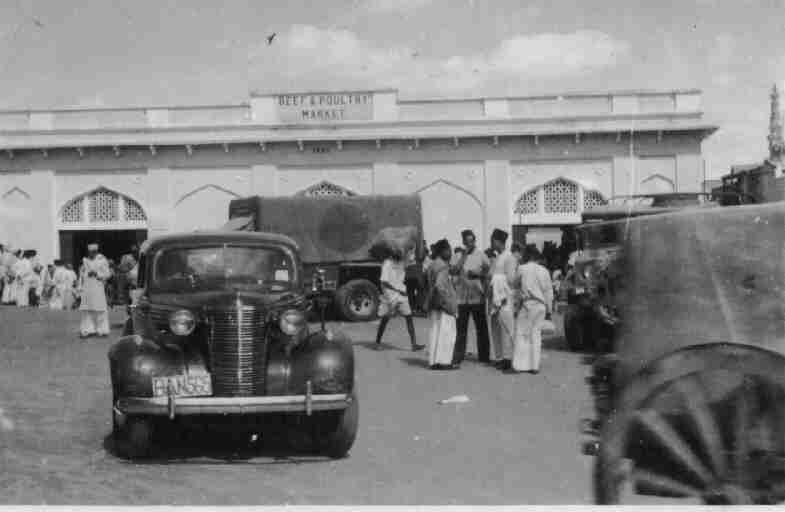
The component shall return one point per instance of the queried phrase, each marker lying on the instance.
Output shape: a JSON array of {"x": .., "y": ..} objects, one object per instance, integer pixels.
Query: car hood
[{"x": 224, "y": 298}]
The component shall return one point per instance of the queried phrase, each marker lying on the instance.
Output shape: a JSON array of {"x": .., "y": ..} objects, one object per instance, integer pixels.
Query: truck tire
[{"x": 358, "y": 300}]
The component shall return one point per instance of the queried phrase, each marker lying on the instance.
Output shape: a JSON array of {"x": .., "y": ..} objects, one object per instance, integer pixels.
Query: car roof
[{"x": 219, "y": 237}]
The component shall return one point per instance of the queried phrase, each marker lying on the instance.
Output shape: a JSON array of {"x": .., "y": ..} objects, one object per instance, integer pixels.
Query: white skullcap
[{"x": 92, "y": 247}]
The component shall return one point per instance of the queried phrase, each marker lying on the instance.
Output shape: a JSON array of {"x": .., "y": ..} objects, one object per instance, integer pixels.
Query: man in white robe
[
  {"x": 23, "y": 271},
  {"x": 62, "y": 286},
  {"x": 9, "y": 277},
  {"x": 70, "y": 295},
  {"x": 93, "y": 275},
  {"x": 503, "y": 313},
  {"x": 536, "y": 303}
]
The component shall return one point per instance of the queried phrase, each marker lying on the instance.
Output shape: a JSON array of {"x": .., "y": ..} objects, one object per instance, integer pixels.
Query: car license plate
[
  {"x": 580, "y": 290},
  {"x": 183, "y": 385}
]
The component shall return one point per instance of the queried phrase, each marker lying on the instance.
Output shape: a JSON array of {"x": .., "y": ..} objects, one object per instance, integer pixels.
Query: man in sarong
[
  {"x": 471, "y": 270},
  {"x": 536, "y": 302},
  {"x": 441, "y": 302},
  {"x": 503, "y": 288},
  {"x": 93, "y": 276}
]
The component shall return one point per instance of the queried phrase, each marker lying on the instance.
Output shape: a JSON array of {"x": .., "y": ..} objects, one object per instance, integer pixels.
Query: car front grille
[{"x": 238, "y": 350}]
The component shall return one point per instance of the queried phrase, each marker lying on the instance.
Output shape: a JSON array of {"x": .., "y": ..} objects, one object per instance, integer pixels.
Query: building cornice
[{"x": 365, "y": 131}]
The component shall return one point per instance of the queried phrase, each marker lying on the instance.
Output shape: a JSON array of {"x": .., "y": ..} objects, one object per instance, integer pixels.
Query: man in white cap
[{"x": 93, "y": 275}]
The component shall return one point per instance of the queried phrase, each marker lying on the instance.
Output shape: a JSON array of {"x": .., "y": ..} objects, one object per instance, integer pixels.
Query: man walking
[
  {"x": 394, "y": 300},
  {"x": 503, "y": 289},
  {"x": 472, "y": 268},
  {"x": 536, "y": 303},
  {"x": 93, "y": 276}
]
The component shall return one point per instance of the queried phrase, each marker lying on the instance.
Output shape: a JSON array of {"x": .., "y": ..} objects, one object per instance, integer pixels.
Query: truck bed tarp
[
  {"x": 331, "y": 229},
  {"x": 701, "y": 276}
]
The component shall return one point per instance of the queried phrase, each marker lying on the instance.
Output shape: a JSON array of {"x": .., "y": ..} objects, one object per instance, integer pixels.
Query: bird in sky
[
  {"x": 38, "y": 23},
  {"x": 271, "y": 37}
]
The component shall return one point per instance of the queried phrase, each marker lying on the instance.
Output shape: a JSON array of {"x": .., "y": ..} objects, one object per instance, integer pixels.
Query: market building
[{"x": 530, "y": 165}]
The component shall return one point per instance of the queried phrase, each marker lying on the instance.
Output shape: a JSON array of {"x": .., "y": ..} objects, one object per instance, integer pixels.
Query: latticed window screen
[
  {"x": 133, "y": 212},
  {"x": 561, "y": 196},
  {"x": 73, "y": 212},
  {"x": 104, "y": 206},
  {"x": 326, "y": 188},
  {"x": 527, "y": 203},
  {"x": 592, "y": 199}
]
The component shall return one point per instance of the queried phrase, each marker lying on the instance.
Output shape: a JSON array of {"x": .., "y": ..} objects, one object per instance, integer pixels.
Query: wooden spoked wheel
[{"x": 713, "y": 434}]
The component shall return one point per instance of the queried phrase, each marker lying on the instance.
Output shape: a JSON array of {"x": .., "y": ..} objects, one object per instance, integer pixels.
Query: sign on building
[{"x": 325, "y": 107}]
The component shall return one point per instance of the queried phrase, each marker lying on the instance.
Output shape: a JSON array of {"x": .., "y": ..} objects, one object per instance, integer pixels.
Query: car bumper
[{"x": 172, "y": 406}]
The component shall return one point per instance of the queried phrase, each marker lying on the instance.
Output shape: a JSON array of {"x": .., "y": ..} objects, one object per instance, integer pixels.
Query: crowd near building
[{"x": 527, "y": 165}]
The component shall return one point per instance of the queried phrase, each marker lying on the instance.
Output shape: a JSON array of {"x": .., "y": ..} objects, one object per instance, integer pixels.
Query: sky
[{"x": 57, "y": 53}]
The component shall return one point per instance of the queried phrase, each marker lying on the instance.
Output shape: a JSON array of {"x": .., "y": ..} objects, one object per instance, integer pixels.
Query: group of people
[
  {"x": 505, "y": 290},
  {"x": 27, "y": 283}
]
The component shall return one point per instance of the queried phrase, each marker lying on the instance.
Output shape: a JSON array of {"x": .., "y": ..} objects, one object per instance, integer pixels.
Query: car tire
[
  {"x": 133, "y": 439},
  {"x": 573, "y": 331},
  {"x": 358, "y": 300},
  {"x": 338, "y": 430}
]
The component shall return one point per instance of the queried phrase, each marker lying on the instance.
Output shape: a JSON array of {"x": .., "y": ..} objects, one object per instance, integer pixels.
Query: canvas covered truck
[{"x": 334, "y": 236}]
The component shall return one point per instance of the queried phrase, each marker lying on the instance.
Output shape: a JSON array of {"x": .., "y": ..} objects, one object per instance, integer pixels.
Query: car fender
[
  {"x": 134, "y": 360},
  {"x": 326, "y": 359}
]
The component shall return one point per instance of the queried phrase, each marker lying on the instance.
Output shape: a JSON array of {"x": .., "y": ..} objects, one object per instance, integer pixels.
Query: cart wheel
[{"x": 714, "y": 434}]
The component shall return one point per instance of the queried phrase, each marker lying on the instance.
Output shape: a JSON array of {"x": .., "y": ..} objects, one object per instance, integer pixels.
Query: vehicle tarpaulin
[
  {"x": 331, "y": 229},
  {"x": 390, "y": 240}
]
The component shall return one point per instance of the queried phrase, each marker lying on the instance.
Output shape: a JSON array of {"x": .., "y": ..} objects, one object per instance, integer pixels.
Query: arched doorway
[
  {"x": 114, "y": 221},
  {"x": 448, "y": 209},
  {"x": 205, "y": 208},
  {"x": 545, "y": 214}
]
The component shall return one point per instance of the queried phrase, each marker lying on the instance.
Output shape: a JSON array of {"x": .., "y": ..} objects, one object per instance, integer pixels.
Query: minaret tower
[{"x": 776, "y": 141}]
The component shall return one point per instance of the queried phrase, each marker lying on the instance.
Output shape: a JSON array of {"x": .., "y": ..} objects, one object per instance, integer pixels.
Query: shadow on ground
[{"x": 205, "y": 447}]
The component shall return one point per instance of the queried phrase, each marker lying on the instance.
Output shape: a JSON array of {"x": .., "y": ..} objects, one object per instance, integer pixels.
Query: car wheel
[
  {"x": 338, "y": 430},
  {"x": 133, "y": 437},
  {"x": 573, "y": 331},
  {"x": 358, "y": 300}
]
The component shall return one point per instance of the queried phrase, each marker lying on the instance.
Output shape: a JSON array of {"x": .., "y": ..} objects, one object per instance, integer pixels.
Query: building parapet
[{"x": 346, "y": 108}]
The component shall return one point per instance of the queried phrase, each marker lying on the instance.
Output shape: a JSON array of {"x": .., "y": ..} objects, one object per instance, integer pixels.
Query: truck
[{"x": 334, "y": 235}]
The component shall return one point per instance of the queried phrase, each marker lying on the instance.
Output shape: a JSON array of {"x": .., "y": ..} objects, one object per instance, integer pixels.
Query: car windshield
[{"x": 217, "y": 268}]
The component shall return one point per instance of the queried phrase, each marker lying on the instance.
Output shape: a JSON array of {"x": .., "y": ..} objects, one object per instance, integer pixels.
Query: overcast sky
[{"x": 101, "y": 52}]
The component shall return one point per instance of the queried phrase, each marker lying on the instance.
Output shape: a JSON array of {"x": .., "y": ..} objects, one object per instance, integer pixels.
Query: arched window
[
  {"x": 102, "y": 207},
  {"x": 527, "y": 203},
  {"x": 325, "y": 188},
  {"x": 561, "y": 196},
  {"x": 592, "y": 199}
]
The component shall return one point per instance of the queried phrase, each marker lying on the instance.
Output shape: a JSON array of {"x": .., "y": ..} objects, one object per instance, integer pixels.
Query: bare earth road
[{"x": 516, "y": 441}]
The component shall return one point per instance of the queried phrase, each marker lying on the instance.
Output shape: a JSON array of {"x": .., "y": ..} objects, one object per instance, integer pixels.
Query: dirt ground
[{"x": 517, "y": 440}]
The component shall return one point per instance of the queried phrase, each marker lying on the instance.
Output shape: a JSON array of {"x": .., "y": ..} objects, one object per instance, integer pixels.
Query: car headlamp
[
  {"x": 292, "y": 321},
  {"x": 182, "y": 322}
]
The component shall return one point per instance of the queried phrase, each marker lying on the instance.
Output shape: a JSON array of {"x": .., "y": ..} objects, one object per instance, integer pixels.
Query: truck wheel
[
  {"x": 573, "y": 331},
  {"x": 358, "y": 300},
  {"x": 338, "y": 430}
]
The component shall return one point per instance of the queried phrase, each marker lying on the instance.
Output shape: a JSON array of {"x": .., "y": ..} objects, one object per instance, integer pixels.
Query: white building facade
[{"x": 525, "y": 164}]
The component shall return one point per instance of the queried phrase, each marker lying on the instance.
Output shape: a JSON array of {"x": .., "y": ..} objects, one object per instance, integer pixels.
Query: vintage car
[
  {"x": 218, "y": 331},
  {"x": 691, "y": 402}
]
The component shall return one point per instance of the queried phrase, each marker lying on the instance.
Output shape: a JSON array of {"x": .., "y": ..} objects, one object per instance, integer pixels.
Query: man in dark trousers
[{"x": 471, "y": 270}]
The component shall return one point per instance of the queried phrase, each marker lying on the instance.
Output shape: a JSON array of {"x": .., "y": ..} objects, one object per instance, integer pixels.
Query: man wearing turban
[{"x": 93, "y": 275}]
